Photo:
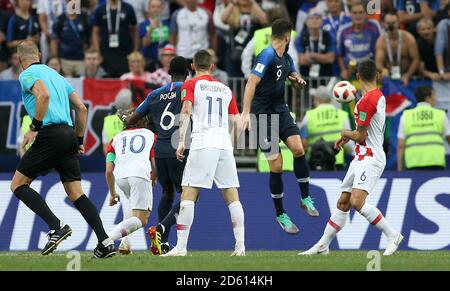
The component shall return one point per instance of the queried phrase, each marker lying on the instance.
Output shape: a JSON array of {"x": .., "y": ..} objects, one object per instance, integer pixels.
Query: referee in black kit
[{"x": 47, "y": 98}]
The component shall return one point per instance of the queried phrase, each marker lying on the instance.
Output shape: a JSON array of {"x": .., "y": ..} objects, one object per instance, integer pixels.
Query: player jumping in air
[
  {"x": 128, "y": 164},
  {"x": 212, "y": 106},
  {"x": 164, "y": 106},
  {"x": 264, "y": 97},
  {"x": 366, "y": 168},
  {"x": 56, "y": 144}
]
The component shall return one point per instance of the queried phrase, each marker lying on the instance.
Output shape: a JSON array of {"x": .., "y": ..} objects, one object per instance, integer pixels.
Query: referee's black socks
[
  {"x": 90, "y": 214},
  {"x": 34, "y": 201}
]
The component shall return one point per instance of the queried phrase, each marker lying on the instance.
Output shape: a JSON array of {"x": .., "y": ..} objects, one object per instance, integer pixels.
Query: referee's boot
[
  {"x": 55, "y": 237},
  {"x": 101, "y": 251}
]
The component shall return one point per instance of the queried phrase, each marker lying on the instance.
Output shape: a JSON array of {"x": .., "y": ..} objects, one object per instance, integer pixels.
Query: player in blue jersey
[
  {"x": 264, "y": 98},
  {"x": 164, "y": 106}
]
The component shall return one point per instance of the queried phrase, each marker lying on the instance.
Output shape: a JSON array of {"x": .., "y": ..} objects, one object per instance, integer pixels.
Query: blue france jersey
[
  {"x": 59, "y": 106},
  {"x": 164, "y": 107},
  {"x": 273, "y": 71}
]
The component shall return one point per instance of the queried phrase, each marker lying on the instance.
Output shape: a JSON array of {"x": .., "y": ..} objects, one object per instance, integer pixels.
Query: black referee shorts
[{"x": 55, "y": 147}]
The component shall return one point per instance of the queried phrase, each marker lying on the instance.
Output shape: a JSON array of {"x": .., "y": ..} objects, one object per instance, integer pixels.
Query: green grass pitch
[{"x": 221, "y": 261}]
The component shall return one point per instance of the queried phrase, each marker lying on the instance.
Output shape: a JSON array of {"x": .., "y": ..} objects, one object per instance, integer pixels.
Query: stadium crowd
[{"x": 136, "y": 39}]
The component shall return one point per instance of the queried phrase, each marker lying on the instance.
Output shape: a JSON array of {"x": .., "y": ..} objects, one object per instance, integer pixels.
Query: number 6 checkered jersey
[{"x": 211, "y": 151}]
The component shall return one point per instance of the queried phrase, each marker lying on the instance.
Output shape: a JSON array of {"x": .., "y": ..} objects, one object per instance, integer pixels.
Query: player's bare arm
[
  {"x": 400, "y": 153},
  {"x": 42, "y": 95},
  {"x": 80, "y": 118},
  {"x": 154, "y": 173},
  {"x": 296, "y": 80},
  {"x": 249, "y": 93},
  {"x": 130, "y": 119},
  {"x": 358, "y": 135},
  {"x": 110, "y": 180},
  {"x": 185, "y": 116},
  {"x": 236, "y": 127}
]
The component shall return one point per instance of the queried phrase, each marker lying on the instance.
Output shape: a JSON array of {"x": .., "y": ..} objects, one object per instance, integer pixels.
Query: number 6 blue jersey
[
  {"x": 273, "y": 71},
  {"x": 164, "y": 107}
]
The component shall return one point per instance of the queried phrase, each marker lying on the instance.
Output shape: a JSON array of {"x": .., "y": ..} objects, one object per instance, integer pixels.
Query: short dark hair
[
  {"x": 202, "y": 60},
  {"x": 367, "y": 70},
  {"x": 390, "y": 13},
  {"x": 178, "y": 67},
  {"x": 423, "y": 92},
  {"x": 280, "y": 28}
]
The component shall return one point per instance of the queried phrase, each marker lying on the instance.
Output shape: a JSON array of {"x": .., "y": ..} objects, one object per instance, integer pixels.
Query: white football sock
[
  {"x": 335, "y": 224},
  {"x": 374, "y": 217},
  {"x": 184, "y": 223},
  {"x": 125, "y": 228},
  {"x": 237, "y": 219},
  {"x": 127, "y": 213}
]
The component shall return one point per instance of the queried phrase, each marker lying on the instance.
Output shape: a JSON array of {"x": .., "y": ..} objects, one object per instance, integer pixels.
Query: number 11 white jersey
[
  {"x": 212, "y": 103},
  {"x": 133, "y": 149}
]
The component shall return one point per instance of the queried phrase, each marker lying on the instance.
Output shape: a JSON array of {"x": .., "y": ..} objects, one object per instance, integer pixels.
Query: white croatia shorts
[
  {"x": 206, "y": 165},
  {"x": 362, "y": 175},
  {"x": 139, "y": 191}
]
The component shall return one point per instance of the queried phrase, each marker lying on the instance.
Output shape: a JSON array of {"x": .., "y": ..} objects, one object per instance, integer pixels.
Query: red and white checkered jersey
[
  {"x": 370, "y": 111},
  {"x": 133, "y": 149},
  {"x": 212, "y": 103}
]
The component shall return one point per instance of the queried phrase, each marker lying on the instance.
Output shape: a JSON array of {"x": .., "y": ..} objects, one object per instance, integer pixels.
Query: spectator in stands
[
  {"x": 335, "y": 18},
  {"x": 154, "y": 32},
  {"x": 316, "y": 48},
  {"x": 22, "y": 25},
  {"x": 425, "y": 43},
  {"x": 13, "y": 72},
  {"x": 410, "y": 11},
  {"x": 262, "y": 38},
  {"x": 112, "y": 124},
  {"x": 48, "y": 12},
  {"x": 356, "y": 40},
  {"x": 243, "y": 17},
  {"x": 71, "y": 33},
  {"x": 303, "y": 11},
  {"x": 140, "y": 9},
  {"x": 442, "y": 48},
  {"x": 442, "y": 55},
  {"x": 397, "y": 55},
  {"x": 421, "y": 134},
  {"x": 136, "y": 65},
  {"x": 4, "y": 18},
  {"x": 442, "y": 12},
  {"x": 192, "y": 29},
  {"x": 7, "y": 6},
  {"x": 115, "y": 35},
  {"x": 92, "y": 61},
  {"x": 323, "y": 122},
  {"x": 55, "y": 64},
  {"x": 217, "y": 73},
  {"x": 161, "y": 76}
]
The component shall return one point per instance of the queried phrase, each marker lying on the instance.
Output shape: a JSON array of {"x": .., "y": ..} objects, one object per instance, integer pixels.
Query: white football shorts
[
  {"x": 362, "y": 175},
  {"x": 139, "y": 191},
  {"x": 206, "y": 165}
]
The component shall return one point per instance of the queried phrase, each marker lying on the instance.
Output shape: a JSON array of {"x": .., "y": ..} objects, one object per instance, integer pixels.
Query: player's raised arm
[{"x": 80, "y": 117}]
